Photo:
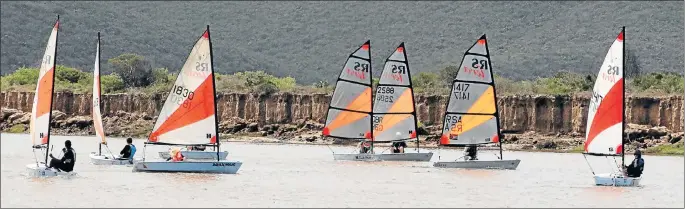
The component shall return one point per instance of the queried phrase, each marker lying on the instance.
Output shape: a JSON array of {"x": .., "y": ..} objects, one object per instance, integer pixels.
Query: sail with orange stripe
[
  {"x": 472, "y": 117},
  {"x": 97, "y": 115},
  {"x": 42, "y": 100},
  {"x": 349, "y": 112},
  {"x": 394, "y": 115},
  {"x": 189, "y": 113},
  {"x": 605, "y": 120}
]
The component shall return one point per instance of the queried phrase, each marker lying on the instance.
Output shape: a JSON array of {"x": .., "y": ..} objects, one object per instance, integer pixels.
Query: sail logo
[
  {"x": 359, "y": 70},
  {"x": 611, "y": 74},
  {"x": 201, "y": 70}
]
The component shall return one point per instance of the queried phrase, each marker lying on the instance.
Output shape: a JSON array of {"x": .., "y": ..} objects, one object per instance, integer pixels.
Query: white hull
[
  {"x": 480, "y": 164},
  {"x": 197, "y": 155},
  {"x": 40, "y": 170},
  {"x": 424, "y": 157},
  {"x": 618, "y": 180},
  {"x": 105, "y": 160},
  {"x": 188, "y": 167}
]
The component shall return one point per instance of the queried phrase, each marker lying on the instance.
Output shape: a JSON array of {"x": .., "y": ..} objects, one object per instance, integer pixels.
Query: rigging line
[
  {"x": 34, "y": 156},
  {"x": 110, "y": 152},
  {"x": 588, "y": 164},
  {"x": 329, "y": 147}
]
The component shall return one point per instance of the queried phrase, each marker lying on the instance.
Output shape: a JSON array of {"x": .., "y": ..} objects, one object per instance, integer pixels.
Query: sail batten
[
  {"x": 394, "y": 114},
  {"x": 605, "y": 124},
  {"x": 39, "y": 127},
  {"x": 349, "y": 112},
  {"x": 189, "y": 112},
  {"x": 471, "y": 117}
]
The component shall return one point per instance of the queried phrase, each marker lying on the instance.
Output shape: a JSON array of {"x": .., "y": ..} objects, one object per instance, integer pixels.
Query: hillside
[{"x": 310, "y": 40}]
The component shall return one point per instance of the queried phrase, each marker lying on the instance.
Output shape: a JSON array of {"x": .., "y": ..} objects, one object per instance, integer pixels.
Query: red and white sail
[
  {"x": 97, "y": 115},
  {"x": 604, "y": 133},
  {"x": 42, "y": 100},
  {"x": 188, "y": 115}
]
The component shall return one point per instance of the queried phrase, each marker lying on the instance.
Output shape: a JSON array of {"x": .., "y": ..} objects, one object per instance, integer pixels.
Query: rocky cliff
[{"x": 519, "y": 114}]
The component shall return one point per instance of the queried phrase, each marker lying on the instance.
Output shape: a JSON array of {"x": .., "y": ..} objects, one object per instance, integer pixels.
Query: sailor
[
  {"x": 365, "y": 147},
  {"x": 637, "y": 166},
  {"x": 176, "y": 155},
  {"x": 128, "y": 151},
  {"x": 398, "y": 147},
  {"x": 471, "y": 152},
  {"x": 68, "y": 159}
]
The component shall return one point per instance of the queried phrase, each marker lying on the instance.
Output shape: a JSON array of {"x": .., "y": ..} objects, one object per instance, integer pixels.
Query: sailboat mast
[
  {"x": 216, "y": 113},
  {"x": 494, "y": 91},
  {"x": 373, "y": 93},
  {"x": 413, "y": 103},
  {"x": 623, "y": 114},
  {"x": 99, "y": 90},
  {"x": 52, "y": 91}
]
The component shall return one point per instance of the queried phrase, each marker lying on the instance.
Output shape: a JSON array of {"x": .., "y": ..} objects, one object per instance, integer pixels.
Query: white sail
[
  {"x": 472, "y": 116},
  {"x": 42, "y": 100},
  {"x": 188, "y": 115},
  {"x": 604, "y": 132},
  {"x": 349, "y": 112},
  {"x": 97, "y": 115},
  {"x": 394, "y": 116}
]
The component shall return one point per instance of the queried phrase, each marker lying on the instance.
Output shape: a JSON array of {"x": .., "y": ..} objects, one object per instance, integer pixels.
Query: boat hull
[
  {"x": 225, "y": 167},
  {"x": 480, "y": 164},
  {"x": 197, "y": 155},
  {"x": 96, "y": 159},
  {"x": 40, "y": 170},
  {"x": 618, "y": 180},
  {"x": 424, "y": 157}
]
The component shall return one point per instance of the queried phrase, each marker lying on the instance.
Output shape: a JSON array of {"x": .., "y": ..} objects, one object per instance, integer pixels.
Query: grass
[
  {"x": 18, "y": 128},
  {"x": 667, "y": 149}
]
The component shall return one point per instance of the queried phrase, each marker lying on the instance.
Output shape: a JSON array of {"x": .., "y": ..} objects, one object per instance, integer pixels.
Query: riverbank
[{"x": 657, "y": 140}]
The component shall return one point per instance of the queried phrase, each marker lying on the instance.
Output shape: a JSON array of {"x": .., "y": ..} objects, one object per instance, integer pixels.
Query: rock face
[{"x": 519, "y": 114}]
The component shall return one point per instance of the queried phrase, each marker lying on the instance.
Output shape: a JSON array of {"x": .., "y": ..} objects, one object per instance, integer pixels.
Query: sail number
[
  {"x": 461, "y": 91},
  {"x": 47, "y": 60},
  {"x": 377, "y": 126},
  {"x": 454, "y": 122},
  {"x": 384, "y": 94},
  {"x": 96, "y": 102},
  {"x": 182, "y": 96}
]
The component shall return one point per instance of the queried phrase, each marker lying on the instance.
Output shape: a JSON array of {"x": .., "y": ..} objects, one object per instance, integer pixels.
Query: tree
[
  {"x": 426, "y": 80},
  {"x": 133, "y": 69},
  {"x": 448, "y": 74}
]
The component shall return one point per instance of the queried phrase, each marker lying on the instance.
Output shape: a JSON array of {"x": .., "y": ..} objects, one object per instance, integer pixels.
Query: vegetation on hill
[
  {"x": 130, "y": 68},
  {"x": 310, "y": 40}
]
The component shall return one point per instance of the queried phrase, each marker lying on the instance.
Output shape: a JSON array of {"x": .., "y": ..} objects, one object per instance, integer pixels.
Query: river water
[{"x": 280, "y": 175}]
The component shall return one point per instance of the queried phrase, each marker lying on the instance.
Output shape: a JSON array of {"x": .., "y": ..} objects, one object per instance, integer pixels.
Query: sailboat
[
  {"x": 188, "y": 117},
  {"x": 393, "y": 115},
  {"x": 606, "y": 118},
  {"x": 97, "y": 158},
  {"x": 41, "y": 112},
  {"x": 472, "y": 116}
]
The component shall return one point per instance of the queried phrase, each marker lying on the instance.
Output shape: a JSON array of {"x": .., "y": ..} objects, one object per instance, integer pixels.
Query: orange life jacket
[{"x": 177, "y": 157}]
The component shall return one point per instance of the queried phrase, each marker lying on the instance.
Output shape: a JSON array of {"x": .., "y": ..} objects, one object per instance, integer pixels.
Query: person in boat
[
  {"x": 364, "y": 147},
  {"x": 68, "y": 159},
  {"x": 197, "y": 148},
  {"x": 637, "y": 166},
  {"x": 471, "y": 152},
  {"x": 398, "y": 147},
  {"x": 176, "y": 155},
  {"x": 128, "y": 151}
]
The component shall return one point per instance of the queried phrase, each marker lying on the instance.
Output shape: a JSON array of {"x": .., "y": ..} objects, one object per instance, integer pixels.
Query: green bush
[
  {"x": 663, "y": 82},
  {"x": 134, "y": 69},
  {"x": 111, "y": 83},
  {"x": 22, "y": 76}
]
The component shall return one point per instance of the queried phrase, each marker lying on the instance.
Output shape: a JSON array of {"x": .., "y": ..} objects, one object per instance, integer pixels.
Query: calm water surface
[{"x": 307, "y": 176}]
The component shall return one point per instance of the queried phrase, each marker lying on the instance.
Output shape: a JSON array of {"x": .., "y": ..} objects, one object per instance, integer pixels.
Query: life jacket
[
  {"x": 133, "y": 153},
  {"x": 177, "y": 156}
]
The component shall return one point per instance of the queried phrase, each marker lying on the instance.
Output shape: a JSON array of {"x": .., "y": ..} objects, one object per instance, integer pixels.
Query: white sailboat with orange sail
[
  {"x": 606, "y": 117},
  {"x": 41, "y": 112},
  {"x": 188, "y": 117},
  {"x": 97, "y": 158},
  {"x": 393, "y": 116},
  {"x": 472, "y": 116}
]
